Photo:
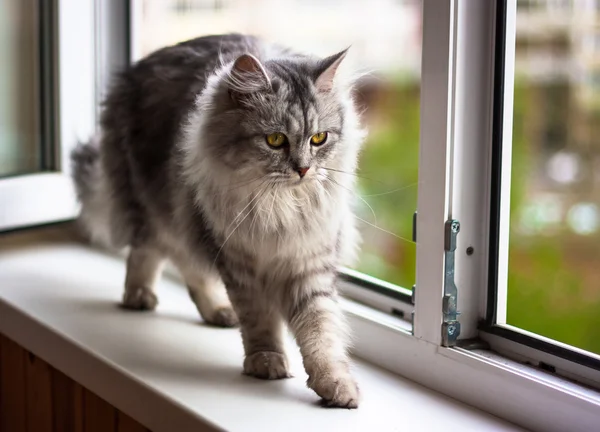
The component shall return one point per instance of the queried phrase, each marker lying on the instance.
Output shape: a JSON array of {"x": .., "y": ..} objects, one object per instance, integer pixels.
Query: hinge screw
[{"x": 455, "y": 226}]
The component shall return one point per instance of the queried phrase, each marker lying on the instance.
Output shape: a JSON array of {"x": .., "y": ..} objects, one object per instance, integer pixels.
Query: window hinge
[
  {"x": 414, "y": 287},
  {"x": 450, "y": 325},
  {"x": 414, "y": 227},
  {"x": 412, "y": 314}
]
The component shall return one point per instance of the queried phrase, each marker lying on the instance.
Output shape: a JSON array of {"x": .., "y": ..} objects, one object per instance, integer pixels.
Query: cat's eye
[
  {"x": 318, "y": 138},
  {"x": 276, "y": 139}
]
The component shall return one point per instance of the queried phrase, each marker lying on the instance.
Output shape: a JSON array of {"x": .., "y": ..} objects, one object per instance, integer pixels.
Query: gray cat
[{"x": 234, "y": 158}]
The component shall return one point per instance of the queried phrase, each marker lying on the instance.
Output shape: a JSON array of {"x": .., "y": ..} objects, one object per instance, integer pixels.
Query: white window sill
[{"x": 58, "y": 299}]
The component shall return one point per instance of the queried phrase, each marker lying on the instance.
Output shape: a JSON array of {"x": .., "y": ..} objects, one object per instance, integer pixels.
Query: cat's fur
[{"x": 181, "y": 170}]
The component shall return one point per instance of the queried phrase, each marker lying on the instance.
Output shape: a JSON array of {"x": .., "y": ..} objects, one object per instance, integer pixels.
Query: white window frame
[
  {"x": 454, "y": 175},
  {"x": 566, "y": 361},
  {"x": 50, "y": 195}
]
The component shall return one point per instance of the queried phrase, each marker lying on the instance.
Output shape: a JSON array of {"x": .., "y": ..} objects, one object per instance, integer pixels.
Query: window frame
[
  {"x": 378, "y": 294},
  {"x": 67, "y": 107}
]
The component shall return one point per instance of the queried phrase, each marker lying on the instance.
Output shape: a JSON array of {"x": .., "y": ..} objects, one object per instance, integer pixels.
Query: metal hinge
[
  {"x": 412, "y": 314},
  {"x": 414, "y": 227},
  {"x": 450, "y": 325},
  {"x": 414, "y": 287}
]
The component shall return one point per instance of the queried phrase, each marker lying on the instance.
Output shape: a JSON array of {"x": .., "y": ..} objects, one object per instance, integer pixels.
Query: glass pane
[
  {"x": 19, "y": 87},
  {"x": 386, "y": 44},
  {"x": 554, "y": 259}
]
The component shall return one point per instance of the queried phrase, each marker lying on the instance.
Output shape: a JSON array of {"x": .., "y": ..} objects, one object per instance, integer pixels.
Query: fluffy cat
[{"x": 234, "y": 158}]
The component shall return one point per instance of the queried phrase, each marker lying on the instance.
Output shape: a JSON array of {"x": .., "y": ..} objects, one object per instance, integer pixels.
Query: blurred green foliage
[
  {"x": 553, "y": 280},
  {"x": 388, "y": 176},
  {"x": 547, "y": 292}
]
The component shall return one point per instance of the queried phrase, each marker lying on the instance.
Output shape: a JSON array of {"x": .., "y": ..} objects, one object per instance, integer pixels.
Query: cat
[{"x": 234, "y": 158}]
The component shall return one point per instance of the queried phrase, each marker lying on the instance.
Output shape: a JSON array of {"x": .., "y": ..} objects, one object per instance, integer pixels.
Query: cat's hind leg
[
  {"x": 144, "y": 267},
  {"x": 208, "y": 293}
]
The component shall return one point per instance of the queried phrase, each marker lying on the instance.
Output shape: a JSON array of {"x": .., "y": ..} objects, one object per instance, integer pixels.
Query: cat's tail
[{"x": 90, "y": 186}]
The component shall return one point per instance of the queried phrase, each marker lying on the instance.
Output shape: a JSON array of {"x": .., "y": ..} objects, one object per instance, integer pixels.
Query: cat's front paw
[
  {"x": 141, "y": 299},
  {"x": 267, "y": 365},
  {"x": 338, "y": 389}
]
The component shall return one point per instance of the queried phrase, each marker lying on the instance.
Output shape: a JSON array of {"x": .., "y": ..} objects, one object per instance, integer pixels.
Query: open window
[{"x": 544, "y": 290}]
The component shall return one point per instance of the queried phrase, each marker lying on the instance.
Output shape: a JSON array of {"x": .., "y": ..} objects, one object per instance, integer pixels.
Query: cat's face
[{"x": 283, "y": 120}]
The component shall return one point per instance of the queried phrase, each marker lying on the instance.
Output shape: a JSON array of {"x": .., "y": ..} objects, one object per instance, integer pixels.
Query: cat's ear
[
  {"x": 248, "y": 76},
  {"x": 326, "y": 71}
]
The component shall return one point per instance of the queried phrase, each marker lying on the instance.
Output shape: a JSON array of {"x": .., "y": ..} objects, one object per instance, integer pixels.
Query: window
[
  {"x": 20, "y": 109},
  {"x": 490, "y": 107},
  {"x": 47, "y": 82},
  {"x": 544, "y": 215}
]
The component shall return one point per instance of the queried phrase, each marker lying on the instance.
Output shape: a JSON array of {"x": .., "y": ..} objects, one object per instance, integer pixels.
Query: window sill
[{"x": 58, "y": 299}]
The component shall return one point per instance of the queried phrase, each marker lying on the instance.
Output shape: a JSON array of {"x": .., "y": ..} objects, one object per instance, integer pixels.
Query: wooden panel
[
  {"x": 1, "y": 389},
  {"x": 127, "y": 424},
  {"x": 67, "y": 403},
  {"x": 98, "y": 415},
  {"x": 35, "y": 397},
  {"x": 38, "y": 376},
  {"x": 13, "y": 404}
]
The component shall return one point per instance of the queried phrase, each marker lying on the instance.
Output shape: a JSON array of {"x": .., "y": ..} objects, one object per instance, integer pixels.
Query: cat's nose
[{"x": 302, "y": 171}]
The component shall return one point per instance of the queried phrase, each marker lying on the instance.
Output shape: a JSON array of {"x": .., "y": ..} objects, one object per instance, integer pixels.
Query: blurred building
[
  {"x": 557, "y": 70},
  {"x": 560, "y": 40},
  {"x": 385, "y": 35}
]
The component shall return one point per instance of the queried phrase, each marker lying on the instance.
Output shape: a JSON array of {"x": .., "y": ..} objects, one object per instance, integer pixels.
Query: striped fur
[{"x": 182, "y": 171}]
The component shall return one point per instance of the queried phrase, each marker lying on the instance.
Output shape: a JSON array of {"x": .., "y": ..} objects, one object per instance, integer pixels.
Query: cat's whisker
[
  {"x": 356, "y": 195},
  {"x": 237, "y": 185},
  {"x": 260, "y": 209},
  {"x": 241, "y": 184},
  {"x": 352, "y": 174},
  {"x": 298, "y": 202},
  {"x": 392, "y": 191},
  {"x": 273, "y": 194},
  {"x": 384, "y": 230},
  {"x": 246, "y": 206},
  {"x": 242, "y": 210},
  {"x": 238, "y": 225},
  {"x": 375, "y": 226},
  {"x": 244, "y": 182},
  {"x": 371, "y": 179},
  {"x": 324, "y": 189}
]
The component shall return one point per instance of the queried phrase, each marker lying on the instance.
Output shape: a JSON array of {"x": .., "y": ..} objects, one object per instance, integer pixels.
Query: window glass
[
  {"x": 19, "y": 88},
  {"x": 554, "y": 258},
  {"x": 385, "y": 40}
]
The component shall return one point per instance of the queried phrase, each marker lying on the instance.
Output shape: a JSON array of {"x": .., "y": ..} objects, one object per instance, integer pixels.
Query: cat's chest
[
  {"x": 276, "y": 258},
  {"x": 275, "y": 236}
]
